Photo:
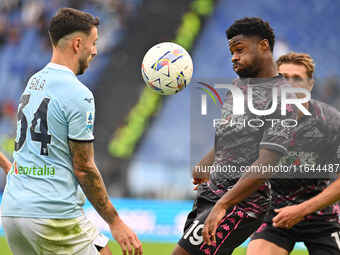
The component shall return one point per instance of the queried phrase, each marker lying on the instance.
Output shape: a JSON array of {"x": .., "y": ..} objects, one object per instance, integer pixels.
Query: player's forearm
[
  {"x": 201, "y": 170},
  {"x": 5, "y": 163},
  {"x": 246, "y": 185},
  {"x": 328, "y": 196},
  {"x": 208, "y": 159},
  {"x": 242, "y": 189},
  {"x": 93, "y": 186},
  {"x": 252, "y": 180},
  {"x": 90, "y": 179}
]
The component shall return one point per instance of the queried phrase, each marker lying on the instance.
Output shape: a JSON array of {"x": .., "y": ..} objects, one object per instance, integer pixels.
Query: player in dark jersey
[
  {"x": 303, "y": 209},
  {"x": 230, "y": 206}
]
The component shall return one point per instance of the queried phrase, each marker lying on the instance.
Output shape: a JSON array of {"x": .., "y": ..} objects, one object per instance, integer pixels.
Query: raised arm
[
  {"x": 4, "y": 163},
  {"x": 93, "y": 186},
  {"x": 245, "y": 186}
]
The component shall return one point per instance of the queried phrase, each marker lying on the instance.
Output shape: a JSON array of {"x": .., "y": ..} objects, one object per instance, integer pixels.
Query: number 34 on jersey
[{"x": 41, "y": 137}]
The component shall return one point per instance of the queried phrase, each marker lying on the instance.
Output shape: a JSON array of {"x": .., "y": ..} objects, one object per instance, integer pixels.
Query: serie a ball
[{"x": 167, "y": 68}]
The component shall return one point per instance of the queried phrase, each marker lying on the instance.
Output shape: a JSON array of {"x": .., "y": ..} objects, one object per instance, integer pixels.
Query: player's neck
[
  {"x": 301, "y": 114},
  {"x": 268, "y": 69},
  {"x": 65, "y": 60}
]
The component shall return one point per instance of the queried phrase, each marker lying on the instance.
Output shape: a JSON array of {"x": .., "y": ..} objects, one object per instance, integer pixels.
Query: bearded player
[
  {"x": 230, "y": 206},
  {"x": 54, "y": 166},
  {"x": 303, "y": 210}
]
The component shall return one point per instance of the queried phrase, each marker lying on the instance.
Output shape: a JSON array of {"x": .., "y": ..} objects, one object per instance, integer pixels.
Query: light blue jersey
[{"x": 54, "y": 108}]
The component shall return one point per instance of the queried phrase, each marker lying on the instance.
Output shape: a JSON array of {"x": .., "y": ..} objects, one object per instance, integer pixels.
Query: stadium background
[{"x": 142, "y": 141}]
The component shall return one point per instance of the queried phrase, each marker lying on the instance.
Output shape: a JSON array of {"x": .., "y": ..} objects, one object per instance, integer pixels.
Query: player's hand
[
  {"x": 199, "y": 176},
  {"x": 211, "y": 223},
  {"x": 288, "y": 216},
  {"x": 126, "y": 238},
  {"x": 198, "y": 181}
]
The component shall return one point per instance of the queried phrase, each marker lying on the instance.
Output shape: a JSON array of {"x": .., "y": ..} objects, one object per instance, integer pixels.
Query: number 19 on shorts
[{"x": 195, "y": 239}]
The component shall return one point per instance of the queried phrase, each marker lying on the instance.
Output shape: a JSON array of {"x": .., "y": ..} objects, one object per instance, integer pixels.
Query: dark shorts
[
  {"x": 233, "y": 230},
  {"x": 319, "y": 237}
]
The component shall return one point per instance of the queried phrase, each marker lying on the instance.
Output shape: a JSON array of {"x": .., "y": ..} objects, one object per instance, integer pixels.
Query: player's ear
[
  {"x": 310, "y": 84},
  {"x": 263, "y": 45},
  {"x": 77, "y": 43}
]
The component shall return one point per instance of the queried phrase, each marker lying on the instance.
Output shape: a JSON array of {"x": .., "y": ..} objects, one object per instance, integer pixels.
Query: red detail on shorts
[
  {"x": 232, "y": 220},
  {"x": 309, "y": 217},
  {"x": 226, "y": 227},
  {"x": 219, "y": 234},
  {"x": 240, "y": 214},
  {"x": 261, "y": 228},
  {"x": 207, "y": 251},
  {"x": 227, "y": 236},
  {"x": 226, "y": 217}
]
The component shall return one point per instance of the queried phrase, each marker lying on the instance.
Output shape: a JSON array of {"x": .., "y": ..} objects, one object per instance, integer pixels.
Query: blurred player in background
[
  {"x": 302, "y": 210},
  {"x": 232, "y": 206},
  {"x": 54, "y": 160},
  {"x": 4, "y": 163}
]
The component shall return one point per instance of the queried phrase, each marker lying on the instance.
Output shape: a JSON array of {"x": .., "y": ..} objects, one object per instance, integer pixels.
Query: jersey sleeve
[
  {"x": 333, "y": 136},
  {"x": 80, "y": 115},
  {"x": 279, "y": 128}
]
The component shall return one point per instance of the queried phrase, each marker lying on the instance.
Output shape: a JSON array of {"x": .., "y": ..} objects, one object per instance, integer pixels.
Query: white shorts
[{"x": 30, "y": 236}]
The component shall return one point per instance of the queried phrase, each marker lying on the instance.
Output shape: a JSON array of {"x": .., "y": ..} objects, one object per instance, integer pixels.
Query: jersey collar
[
  {"x": 257, "y": 81},
  {"x": 59, "y": 67}
]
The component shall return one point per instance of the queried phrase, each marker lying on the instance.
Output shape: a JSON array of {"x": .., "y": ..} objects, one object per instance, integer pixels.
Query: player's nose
[
  {"x": 94, "y": 52},
  {"x": 235, "y": 58}
]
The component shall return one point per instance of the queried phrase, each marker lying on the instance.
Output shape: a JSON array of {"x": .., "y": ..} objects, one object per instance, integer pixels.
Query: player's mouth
[
  {"x": 236, "y": 67},
  {"x": 91, "y": 58}
]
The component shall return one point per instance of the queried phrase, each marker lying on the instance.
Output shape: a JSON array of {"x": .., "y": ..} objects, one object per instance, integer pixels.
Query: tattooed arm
[{"x": 93, "y": 186}]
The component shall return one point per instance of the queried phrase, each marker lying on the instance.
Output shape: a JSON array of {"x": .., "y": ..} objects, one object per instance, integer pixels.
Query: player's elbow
[
  {"x": 269, "y": 157},
  {"x": 84, "y": 170}
]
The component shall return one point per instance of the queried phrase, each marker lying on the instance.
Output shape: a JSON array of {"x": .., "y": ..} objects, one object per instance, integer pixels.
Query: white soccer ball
[{"x": 167, "y": 68}]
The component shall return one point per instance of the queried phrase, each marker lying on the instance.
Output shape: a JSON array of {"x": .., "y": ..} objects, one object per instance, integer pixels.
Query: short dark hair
[
  {"x": 69, "y": 20},
  {"x": 252, "y": 27}
]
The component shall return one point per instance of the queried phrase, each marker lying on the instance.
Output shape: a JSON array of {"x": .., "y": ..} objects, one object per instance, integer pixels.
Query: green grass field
[{"x": 148, "y": 248}]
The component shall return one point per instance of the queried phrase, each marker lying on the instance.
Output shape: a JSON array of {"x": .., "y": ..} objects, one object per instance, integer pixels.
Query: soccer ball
[{"x": 167, "y": 68}]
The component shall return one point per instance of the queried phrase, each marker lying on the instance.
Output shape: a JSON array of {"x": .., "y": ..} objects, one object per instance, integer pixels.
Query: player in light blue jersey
[{"x": 54, "y": 160}]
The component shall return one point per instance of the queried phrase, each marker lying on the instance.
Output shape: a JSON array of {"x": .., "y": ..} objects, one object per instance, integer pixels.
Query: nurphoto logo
[
  {"x": 238, "y": 99},
  {"x": 238, "y": 104}
]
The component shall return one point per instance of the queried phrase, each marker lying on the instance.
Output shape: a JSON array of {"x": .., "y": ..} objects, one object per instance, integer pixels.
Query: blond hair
[{"x": 298, "y": 59}]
